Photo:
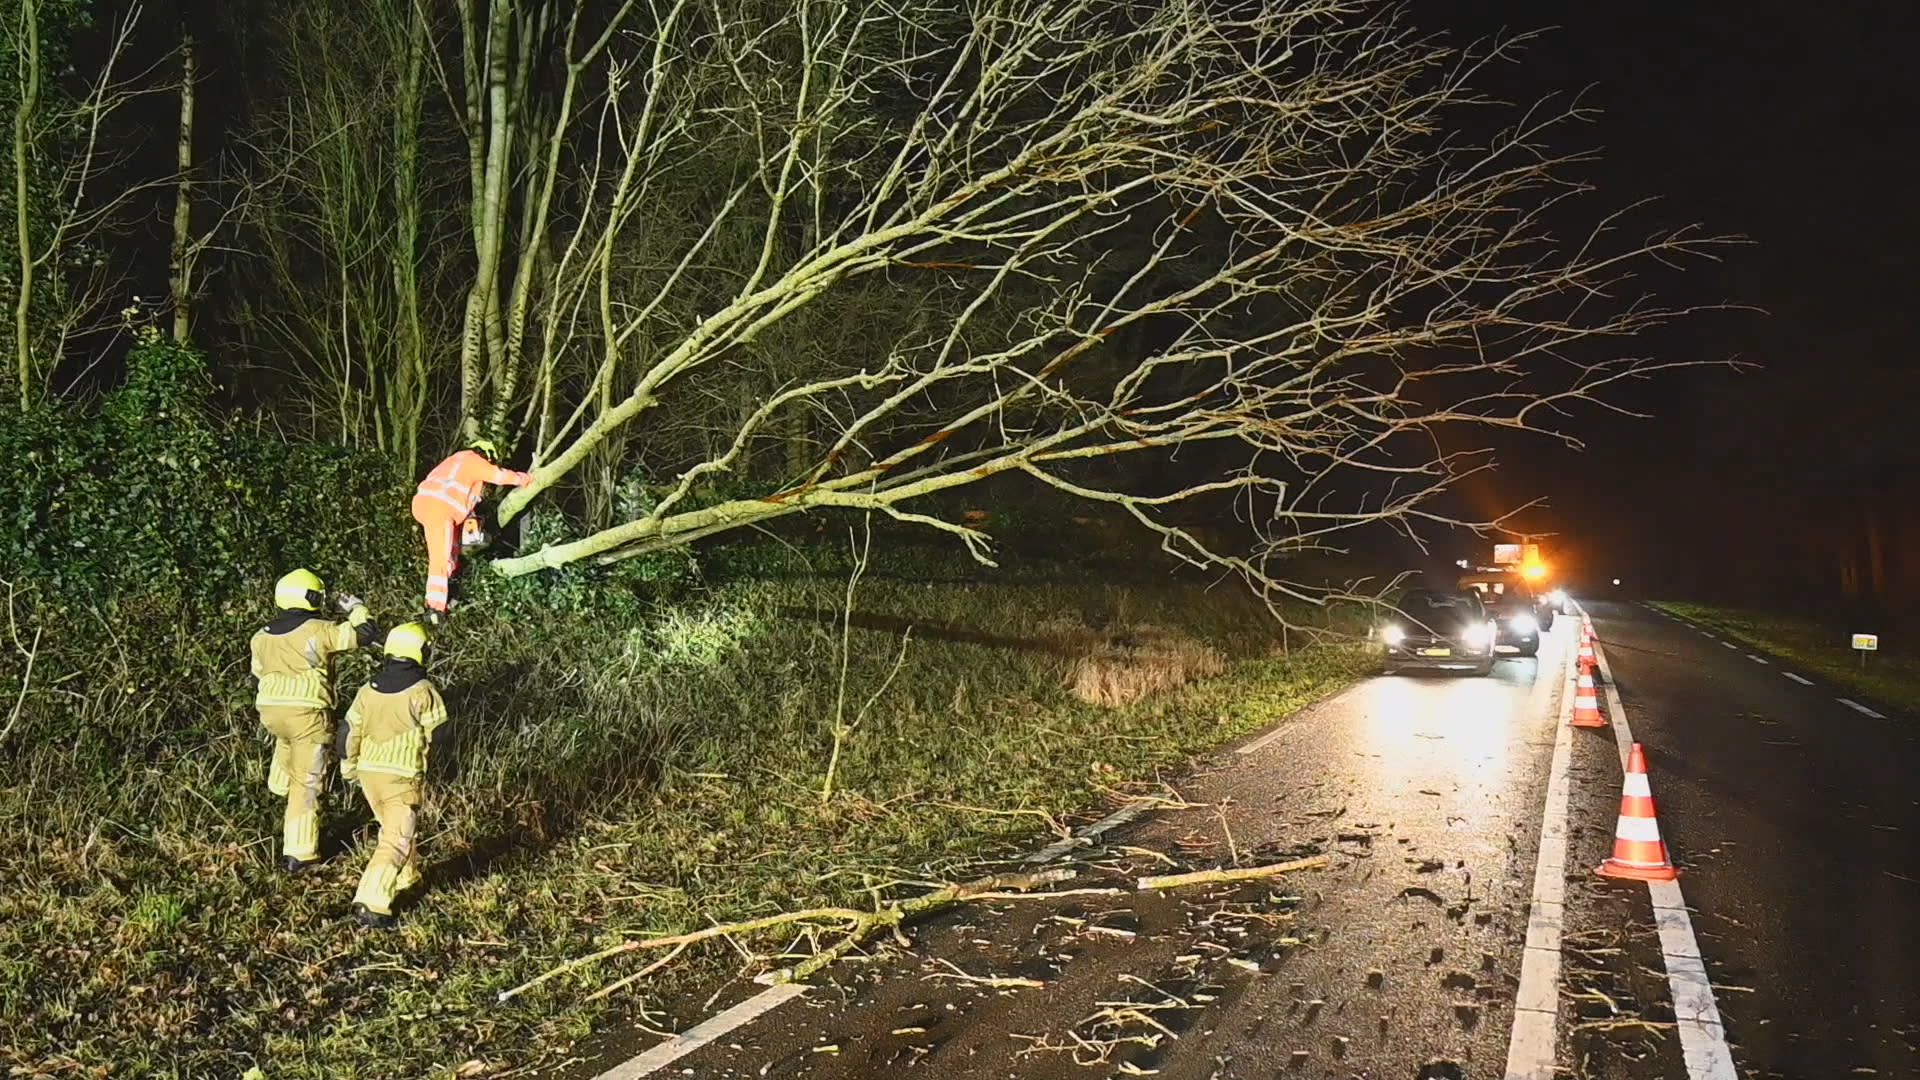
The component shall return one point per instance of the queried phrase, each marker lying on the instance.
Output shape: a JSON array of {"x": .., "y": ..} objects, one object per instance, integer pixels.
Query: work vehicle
[
  {"x": 1432, "y": 628},
  {"x": 1512, "y": 596},
  {"x": 1525, "y": 560}
]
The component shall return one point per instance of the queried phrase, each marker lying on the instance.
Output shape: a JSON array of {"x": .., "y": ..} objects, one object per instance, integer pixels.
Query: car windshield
[{"x": 1424, "y": 605}]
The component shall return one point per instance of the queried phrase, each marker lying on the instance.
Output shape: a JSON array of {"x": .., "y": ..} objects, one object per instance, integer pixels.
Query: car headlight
[
  {"x": 1478, "y": 637},
  {"x": 1524, "y": 625},
  {"x": 1393, "y": 635}
]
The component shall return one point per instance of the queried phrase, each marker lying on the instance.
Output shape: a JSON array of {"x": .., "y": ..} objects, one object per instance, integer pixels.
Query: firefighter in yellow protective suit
[
  {"x": 293, "y": 661},
  {"x": 390, "y": 735}
]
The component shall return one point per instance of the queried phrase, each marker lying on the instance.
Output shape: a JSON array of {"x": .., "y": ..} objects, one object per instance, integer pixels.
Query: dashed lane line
[
  {"x": 1703, "y": 1038},
  {"x": 1798, "y": 679},
  {"x": 1280, "y": 730},
  {"x": 1756, "y": 659},
  {"x": 666, "y": 1053},
  {"x": 1859, "y": 708},
  {"x": 1536, "y": 1011},
  {"x": 1084, "y": 837},
  {"x": 1727, "y": 643}
]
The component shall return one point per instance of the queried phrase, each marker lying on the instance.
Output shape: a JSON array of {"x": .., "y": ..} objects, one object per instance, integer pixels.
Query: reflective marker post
[{"x": 1864, "y": 644}]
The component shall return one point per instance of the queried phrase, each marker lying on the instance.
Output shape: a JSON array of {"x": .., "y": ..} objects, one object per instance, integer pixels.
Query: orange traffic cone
[
  {"x": 1587, "y": 659},
  {"x": 1638, "y": 851},
  {"x": 1586, "y": 703}
]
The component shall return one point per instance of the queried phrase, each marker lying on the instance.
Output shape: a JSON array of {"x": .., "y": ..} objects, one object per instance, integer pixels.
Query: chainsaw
[{"x": 473, "y": 534}]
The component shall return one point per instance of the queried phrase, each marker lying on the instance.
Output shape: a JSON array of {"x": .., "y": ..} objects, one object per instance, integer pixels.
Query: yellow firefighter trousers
[
  {"x": 395, "y": 801},
  {"x": 302, "y": 739}
]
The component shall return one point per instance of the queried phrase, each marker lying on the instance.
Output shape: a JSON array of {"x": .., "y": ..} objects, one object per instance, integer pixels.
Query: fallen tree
[{"x": 1063, "y": 240}]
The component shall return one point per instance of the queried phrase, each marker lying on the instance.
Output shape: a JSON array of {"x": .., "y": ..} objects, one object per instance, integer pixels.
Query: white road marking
[
  {"x": 1281, "y": 728},
  {"x": 1703, "y": 1038},
  {"x": 1859, "y": 708},
  {"x": 1536, "y": 1013},
  {"x": 1756, "y": 659},
  {"x": 1085, "y": 836},
  {"x": 701, "y": 1034},
  {"x": 1798, "y": 679},
  {"x": 1728, "y": 644}
]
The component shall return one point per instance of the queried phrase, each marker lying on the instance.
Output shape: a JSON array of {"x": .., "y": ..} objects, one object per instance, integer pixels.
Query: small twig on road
[
  {"x": 1173, "y": 800},
  {"x": 996, "y": 981},
  {"x": 1248, "y": 873},
  {"x": 1655, "y": 1027},
  {"x": 1126, "y": 849},
  {"x": 1054, "y": 825}
]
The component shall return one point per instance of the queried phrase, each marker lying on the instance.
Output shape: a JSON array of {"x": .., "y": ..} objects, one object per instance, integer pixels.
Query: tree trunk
[
  {"x": 408, "y": 386},
  {"x": 481, "y": 341},
  {"x": 28, "y": 60},
  {"x": 181, "y": 259}
]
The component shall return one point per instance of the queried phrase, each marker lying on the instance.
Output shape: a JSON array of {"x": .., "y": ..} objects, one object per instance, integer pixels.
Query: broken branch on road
[
  {"x": 858, "y": 926},
  {"x": 1245, "y": 873}
]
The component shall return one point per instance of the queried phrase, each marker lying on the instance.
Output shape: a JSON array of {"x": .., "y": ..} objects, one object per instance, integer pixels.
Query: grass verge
[
  {"x": 1817, "y": 648},
  {"x": 612, "y": 780}
]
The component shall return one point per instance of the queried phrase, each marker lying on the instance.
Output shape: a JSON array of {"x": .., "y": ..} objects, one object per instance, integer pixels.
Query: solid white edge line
[
  {"x": 1531, "y": 1049},
  {"x": 666, "y": 1053},
  {"x": 1703, "y": 1038},
  {"x": 1859, "y": 708},
  {"x": 1798, "y": 679}
]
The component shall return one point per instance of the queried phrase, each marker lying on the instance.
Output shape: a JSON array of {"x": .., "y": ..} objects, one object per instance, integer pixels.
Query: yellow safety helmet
[
  {"x": 302, "y": 590},
  {"x": 408, "y": 641},
  {"x": 487, "y": 448}
]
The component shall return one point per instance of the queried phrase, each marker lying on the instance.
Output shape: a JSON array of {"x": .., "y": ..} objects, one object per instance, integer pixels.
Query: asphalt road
[
  {"x": 1401, "y": 959},
  {"x": 1795, "y": 820}
]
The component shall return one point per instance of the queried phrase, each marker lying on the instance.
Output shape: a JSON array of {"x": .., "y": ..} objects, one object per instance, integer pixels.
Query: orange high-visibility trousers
[{"x": 441, "y": 525}]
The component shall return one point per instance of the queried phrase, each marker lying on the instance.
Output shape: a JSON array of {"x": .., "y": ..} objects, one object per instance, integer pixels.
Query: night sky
[{"x": 1795, "y": 128}]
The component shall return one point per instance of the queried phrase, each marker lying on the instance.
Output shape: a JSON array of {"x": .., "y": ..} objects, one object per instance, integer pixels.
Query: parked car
[
  {"x": 1516, "y": 622},
  {"x": 1511, "y": 592},
  {"x": 1431, "y": 628}
]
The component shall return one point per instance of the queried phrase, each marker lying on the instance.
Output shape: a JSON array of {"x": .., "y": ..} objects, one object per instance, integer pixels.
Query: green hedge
[{"x": 148, "y": 492}]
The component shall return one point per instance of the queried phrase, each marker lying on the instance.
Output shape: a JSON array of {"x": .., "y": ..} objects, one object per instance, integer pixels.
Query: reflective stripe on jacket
[
  {"x": 392, "y": 733},
  {"x": 460, "y": 481},
  {"x": 295, "y": 668}
]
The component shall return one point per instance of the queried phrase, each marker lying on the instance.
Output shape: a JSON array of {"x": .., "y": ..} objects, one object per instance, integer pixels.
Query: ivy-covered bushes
[{"x": 150, "y": 493}]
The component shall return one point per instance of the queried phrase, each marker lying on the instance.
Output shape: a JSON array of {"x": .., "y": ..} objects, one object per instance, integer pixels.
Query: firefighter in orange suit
[
  {"x": 293, "y": 661},
  {"x": 444, "y": 502},
  {"x": 391, "y": 729}
]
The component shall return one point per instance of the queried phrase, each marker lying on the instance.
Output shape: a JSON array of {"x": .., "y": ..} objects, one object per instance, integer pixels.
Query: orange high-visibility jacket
[{"x": 459, "y": 482}]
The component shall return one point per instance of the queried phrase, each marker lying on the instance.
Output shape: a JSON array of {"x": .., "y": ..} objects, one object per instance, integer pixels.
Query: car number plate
[{"x": 1436, "y": 652}]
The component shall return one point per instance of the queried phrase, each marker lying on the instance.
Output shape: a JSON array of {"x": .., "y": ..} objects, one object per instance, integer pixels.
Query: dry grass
[{"x": 1138, "y": 662}]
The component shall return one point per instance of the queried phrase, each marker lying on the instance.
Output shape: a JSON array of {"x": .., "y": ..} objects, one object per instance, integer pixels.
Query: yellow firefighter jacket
[
  {"x": 293, "y": 657},
  {"x": 391, "y": 724}
]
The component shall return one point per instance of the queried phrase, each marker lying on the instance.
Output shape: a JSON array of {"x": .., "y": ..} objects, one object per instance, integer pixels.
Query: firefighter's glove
[
  {"x": 355, "y": 608},
  {"x": 350, "y": 771}
]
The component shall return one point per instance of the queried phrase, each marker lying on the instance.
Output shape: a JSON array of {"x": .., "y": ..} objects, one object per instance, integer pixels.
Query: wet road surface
[
  {"x": 1796, "y": 823},
  {"x": 1400, "y": 959}
]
